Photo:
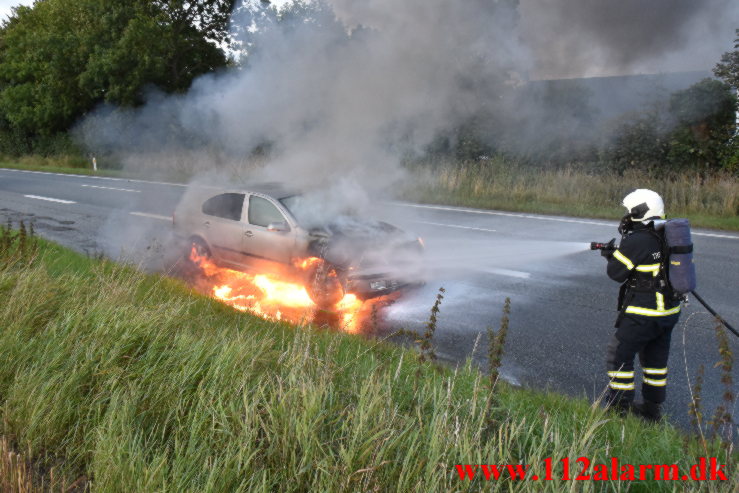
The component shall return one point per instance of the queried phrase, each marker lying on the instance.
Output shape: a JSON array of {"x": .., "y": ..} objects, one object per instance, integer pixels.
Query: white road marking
[
  {"x": 542, "y": 218},
  {"x": 498, "y": 213},
  {"x": 151, "y": 216},
  {"x": 112, "y": 188},
  {"x": 713, "y": 235},
  {"x": 50, "y": 199},
  {"x": 456, "y": 226}
]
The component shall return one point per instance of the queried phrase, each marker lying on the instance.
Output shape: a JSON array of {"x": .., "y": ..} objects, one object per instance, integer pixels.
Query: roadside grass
[
  {"x": 115, "y": 380},
  {"x": 56, "y": 165},
  {"x": 710, "y": 201}
]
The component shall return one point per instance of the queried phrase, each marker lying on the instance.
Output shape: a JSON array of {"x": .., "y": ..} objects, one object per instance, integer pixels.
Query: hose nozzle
[{"x": 606, "y": 249}]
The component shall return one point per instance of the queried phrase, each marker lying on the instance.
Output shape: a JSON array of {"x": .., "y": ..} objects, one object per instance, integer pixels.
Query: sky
[{"x": 6, "y": 4}]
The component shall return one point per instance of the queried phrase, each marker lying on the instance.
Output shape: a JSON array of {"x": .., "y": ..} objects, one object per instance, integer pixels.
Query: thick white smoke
[
  {"x": 339, "y": 97},
  {"x": 343, "y": 97},
  {"x": 585, "y": 38}
]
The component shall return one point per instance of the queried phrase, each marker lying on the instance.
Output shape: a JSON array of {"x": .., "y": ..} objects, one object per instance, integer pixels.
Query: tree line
[
  {"x": 59, "y": 59},
  {"x": 693, "y": 128}
]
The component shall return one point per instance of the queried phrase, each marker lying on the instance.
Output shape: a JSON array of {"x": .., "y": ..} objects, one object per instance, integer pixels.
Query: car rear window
[
  {"x": 262, "y": 212},
  {"x": 225, "y": 205}
]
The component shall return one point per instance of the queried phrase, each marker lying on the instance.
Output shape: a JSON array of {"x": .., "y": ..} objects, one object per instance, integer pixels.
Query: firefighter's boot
[{"x": 649, "y": 411}]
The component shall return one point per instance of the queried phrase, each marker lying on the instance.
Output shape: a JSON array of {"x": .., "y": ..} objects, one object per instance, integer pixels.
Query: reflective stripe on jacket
[{"x": 638, "y": 260}]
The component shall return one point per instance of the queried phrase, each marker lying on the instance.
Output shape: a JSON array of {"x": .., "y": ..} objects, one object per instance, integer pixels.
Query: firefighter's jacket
[{"x": 638, "y": 264}]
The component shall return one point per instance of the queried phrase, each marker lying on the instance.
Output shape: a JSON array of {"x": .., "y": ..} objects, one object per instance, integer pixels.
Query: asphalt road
[{"x": 563, "y": 305}]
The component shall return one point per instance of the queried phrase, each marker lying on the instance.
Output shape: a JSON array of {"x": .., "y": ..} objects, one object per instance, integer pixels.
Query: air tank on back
[{"x": 681, "y": 269}]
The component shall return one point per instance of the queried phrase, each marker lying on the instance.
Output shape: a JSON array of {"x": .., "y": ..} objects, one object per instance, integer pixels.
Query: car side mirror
[{"x": 279, "y": 227}]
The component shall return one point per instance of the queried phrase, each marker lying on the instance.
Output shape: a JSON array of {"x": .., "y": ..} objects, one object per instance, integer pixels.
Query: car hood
[{"x": 350, "y": 241}]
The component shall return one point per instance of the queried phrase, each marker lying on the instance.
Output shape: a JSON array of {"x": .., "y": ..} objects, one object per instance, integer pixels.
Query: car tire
[
  {"x": 197, "y": 247},
  {"x": 324, "y": 285}
]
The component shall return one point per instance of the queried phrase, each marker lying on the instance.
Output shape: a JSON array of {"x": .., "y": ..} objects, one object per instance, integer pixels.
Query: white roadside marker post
[{"x": 94, "y": 164}]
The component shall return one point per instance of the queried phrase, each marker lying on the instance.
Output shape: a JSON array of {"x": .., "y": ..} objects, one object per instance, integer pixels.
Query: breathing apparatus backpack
[
  {"x": 679, "y": 266},
  {"x": 678, "y": 257}
]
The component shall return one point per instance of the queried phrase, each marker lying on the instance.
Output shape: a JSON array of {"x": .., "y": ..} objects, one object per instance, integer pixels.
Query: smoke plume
[
  {"x": 581, "y": 38},
  {"x": 341, "y": 97}
]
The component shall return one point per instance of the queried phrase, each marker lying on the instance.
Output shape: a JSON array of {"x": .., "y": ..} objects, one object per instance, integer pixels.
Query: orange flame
[{"x": 270, "y": 297}]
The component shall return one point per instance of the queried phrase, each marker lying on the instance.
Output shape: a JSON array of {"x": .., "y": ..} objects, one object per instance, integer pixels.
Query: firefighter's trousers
[{"x": 649, "y": 337}]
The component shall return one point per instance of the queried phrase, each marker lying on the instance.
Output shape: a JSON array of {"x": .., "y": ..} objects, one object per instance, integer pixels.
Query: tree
[
  {"x": 60, "y": 58},
  {"x": 728, "y": 68},
  {"x": 704, "y": 125},
  {"x": 160, "y": 43},
  {"x": 639, "y": 141},
  {"x": 40, "y": 62},
  {"x": 694, "y": 131},
  {"x": 256, "y": 21}
]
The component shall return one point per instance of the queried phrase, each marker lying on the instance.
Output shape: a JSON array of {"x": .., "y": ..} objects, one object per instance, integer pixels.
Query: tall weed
[{"x": 499, "y": 184}]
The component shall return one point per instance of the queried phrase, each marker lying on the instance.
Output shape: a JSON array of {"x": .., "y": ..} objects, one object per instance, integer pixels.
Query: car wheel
[
  {"x": 197, "y": 249},
  {"x": 324, "y": 285}
]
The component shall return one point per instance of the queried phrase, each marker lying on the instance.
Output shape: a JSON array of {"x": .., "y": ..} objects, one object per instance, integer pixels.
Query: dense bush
[
  {"x": 694, "y": 131},
  {"x": 59, "y": 59},
  {"x": 555, "y": 126},
  {"x": 14, "y": 143}
]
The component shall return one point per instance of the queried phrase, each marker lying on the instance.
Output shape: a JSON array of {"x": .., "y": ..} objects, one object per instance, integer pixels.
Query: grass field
[
  {"x": 710, "y": 201},
  {"x": 119, "y": 381},
  {"x": 55, "y": 166}
]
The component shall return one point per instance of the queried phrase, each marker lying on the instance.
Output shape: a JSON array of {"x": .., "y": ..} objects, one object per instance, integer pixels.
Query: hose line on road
[{"x": 713, "y": 312}]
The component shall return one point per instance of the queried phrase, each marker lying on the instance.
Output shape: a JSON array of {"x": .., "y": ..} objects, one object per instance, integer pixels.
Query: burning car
[{"x": 269, "y": 228}]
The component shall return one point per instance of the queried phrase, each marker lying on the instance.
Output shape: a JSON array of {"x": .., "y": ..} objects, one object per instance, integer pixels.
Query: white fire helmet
[{"x": 645, "y": 205}]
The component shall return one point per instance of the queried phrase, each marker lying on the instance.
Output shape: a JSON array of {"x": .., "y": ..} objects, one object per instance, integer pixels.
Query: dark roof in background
[{"x": 613, "y": 96}]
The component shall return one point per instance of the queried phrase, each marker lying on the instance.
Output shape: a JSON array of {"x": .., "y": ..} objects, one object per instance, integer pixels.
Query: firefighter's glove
[{"x": 608, "y": 249}]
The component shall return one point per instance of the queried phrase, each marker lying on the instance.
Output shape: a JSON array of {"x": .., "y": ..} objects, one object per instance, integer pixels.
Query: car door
[
  {"x": 222, "y": 225},
  {"x": 276, "y": 244}
]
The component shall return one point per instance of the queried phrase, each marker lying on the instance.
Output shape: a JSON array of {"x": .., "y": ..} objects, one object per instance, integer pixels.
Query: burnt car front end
[{"x": 374, "y": 258}]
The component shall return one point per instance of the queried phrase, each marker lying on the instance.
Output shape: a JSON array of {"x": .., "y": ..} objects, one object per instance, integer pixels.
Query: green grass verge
[
  {"x": 585, "y": 210},
  {"x": 140, "y": 384},
  {"x": 708, "y": 200},
  {"x": 49, "y": 168}
]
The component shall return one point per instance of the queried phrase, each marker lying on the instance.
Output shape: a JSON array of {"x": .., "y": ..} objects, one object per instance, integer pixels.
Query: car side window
[
  {"x": 262, "y": 212},
  {"x": 225, "y": 205}
]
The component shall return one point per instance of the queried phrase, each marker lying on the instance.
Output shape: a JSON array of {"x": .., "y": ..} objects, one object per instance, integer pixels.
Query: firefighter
[{"x": 648, "y": 309}]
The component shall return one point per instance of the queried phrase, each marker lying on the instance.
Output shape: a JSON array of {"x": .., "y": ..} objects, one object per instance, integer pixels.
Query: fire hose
[{"x": 713, "y": 312}]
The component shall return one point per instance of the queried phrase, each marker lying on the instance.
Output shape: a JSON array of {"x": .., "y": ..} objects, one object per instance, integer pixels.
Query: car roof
[{"x": 275, "y": 190}]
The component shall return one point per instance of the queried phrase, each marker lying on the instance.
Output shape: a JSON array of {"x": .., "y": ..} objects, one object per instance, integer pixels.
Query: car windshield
[
  {"x": 291, "y": 203},
  {"x": 316, "y": 210}
]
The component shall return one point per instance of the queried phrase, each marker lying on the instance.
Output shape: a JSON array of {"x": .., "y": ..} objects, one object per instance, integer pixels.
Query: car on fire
[{"x": 269, "y": 227}]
